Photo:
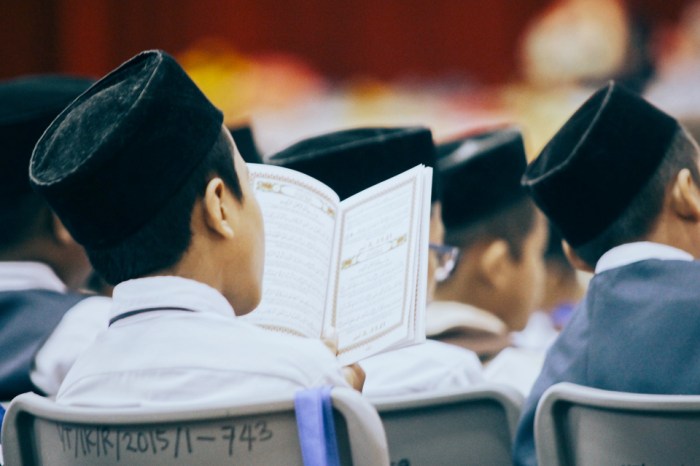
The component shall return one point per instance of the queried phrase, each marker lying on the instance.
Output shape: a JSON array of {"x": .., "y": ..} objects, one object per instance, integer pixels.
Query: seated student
[
  {"x": 245, "y": 143},
  {"x": 621, "y": 181},
  {"x": 350, "y": 161},
  {"x": 497, "y": 278},
  {"x": 145, "y": 176},
  {"x": 43, "y": 326},
  {"x": 563, "y": 289}
]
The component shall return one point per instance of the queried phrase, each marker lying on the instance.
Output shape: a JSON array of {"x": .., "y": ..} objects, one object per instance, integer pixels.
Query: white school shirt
[
  {"x": 427, "y": 367},
  {"x": 445, "y": 315},
  {"x": 538, "y": 334},
  {"x": 75, "y": 332},
  {"x": 513, "y": 366},
  {"x": 203, "y": 354}
]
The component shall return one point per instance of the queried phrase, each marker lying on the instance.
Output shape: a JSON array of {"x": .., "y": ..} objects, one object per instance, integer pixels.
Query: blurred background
[{"x": 295, "y": 68}]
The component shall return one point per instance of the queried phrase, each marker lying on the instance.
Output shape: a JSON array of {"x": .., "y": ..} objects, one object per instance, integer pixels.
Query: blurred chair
[
  {"x": 577, "y": 425},
  {"x": 37, "y": 431},
  {"x": 471, "y": 427}
]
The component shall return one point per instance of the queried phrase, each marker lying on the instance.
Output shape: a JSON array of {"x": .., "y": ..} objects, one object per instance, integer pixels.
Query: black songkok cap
[
  {"x": 114, "y": 157},
  {"x": 27, "y": 106},
  {"x": 590, "y": 171},
  {"x": 352, "y": 160},
  {"x": 245, "y": 143},
  {"x": 480, "y": 175}
]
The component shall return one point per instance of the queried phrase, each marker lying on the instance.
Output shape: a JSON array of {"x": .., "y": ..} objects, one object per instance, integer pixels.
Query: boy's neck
[
  {"x": 191, "y": 266},
  {"x": 677, "y": 234}
]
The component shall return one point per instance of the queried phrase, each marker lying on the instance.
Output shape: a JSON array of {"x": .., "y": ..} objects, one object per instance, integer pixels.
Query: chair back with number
[
  {"x": 37, "y": 431},
  {"x": 471, "y": 427},
  {"x": 577, "y": 425}
]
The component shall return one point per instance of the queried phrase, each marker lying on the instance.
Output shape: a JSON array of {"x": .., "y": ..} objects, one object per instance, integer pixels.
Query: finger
[{"x": 355, "y": 376}]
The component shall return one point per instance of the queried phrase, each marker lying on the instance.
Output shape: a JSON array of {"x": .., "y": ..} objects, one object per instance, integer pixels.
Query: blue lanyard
[{"x": 314, "y": 413}]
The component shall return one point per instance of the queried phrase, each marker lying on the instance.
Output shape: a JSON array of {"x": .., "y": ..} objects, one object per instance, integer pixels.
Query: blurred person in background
[
  {"x": 675, "y": 88},
  {"x": 585, "y": 43},
  {"x": 499, "y": 238},
  {"x": 44, "y": 325},
  {"x": 621, "y": 182},
  {"x": 350, "y": 161}
]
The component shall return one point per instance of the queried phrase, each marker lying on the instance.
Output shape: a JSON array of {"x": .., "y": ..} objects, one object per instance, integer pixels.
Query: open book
[{"x": 359, "y": 266}]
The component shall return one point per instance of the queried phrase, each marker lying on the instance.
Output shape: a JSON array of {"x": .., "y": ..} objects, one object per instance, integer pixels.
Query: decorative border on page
[
  {"x": 261, "y": 182},
  {"x": 281, "y": 329},
  {"x": 411, "y": 181},
  {"x": 261, "y": 177}
]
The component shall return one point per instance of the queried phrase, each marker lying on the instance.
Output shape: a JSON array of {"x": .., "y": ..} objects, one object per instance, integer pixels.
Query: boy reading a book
[
  {"x": 350, "y": 161},
  {"x": 43, "y": 325},
  {"x": 620, "y": 180},
  {"x": 497, "y": 278},
  {"x": 144, "y": 175}
]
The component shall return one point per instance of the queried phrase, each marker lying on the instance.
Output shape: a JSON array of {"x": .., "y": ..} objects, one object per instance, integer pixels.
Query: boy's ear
[
  {"x": 218, "y": 212},
  {"x": 575, "y": 260},
  {"x": 685, "y": 196},
  {"x": 496, "y": 263}
]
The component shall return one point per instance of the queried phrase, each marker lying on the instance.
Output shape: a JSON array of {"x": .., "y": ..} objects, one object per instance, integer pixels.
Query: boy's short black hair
[
  {"x": 640, "y": 217},
  {"x": 514, "y": 224},
  {"x": 162, "y": 242}
]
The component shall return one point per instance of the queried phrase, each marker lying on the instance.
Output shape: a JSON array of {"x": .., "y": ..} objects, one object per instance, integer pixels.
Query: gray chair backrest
[
  {"x": 37, "y": 431},
  {"x": 471, "y": 427},
  {"x": 576, "y": 425}
]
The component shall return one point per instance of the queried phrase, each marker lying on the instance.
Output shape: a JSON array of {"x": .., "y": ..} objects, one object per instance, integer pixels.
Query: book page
[
  {"x": 374, "y": 294},
  {"x": 299, "y": 214}
]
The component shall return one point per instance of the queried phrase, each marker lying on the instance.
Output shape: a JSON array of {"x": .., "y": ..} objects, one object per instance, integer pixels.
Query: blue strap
[
  {"x": 314, "y": 413},
  {"x": 2, "y": 417}
]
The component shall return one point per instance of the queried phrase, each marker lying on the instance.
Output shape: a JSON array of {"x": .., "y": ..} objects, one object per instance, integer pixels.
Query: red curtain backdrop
[{"x": 339, "y": 38}]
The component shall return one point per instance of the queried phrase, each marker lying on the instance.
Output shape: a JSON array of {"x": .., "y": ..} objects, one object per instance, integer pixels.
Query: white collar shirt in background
[
  {"x": 168, "y": 357},
  {"x": 538, "y": 334},
  {"x": 444, "y": 315},
  {"x": 516, "y": 367},
  {"x": 427, "y": 367},
  {"x": 76, "y": 331},
  {"x": 629, "y": 253}
]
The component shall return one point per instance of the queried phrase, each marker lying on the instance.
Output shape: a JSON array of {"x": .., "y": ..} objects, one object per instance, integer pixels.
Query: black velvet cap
[
  {"x": 352, "y": 160},
  {"x": 114, "y": 157},
  {"x": 480, "y": 175},
  {"x": 27, "y": 106},
  {"x": 245, "y": 142},
  {"x": 598, "y": 161}
]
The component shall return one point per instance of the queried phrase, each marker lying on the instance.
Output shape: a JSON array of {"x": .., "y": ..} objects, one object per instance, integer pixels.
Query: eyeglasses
[{"x": 447, "y": 257}]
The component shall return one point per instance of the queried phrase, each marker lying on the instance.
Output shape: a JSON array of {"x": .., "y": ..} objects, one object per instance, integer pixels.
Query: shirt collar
[
  {"x": 445, "y": 315},
  {"x": 639, "y": 251},
  {"x": 168, "y": 291},
  {"x": 16, "y": 276}
]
